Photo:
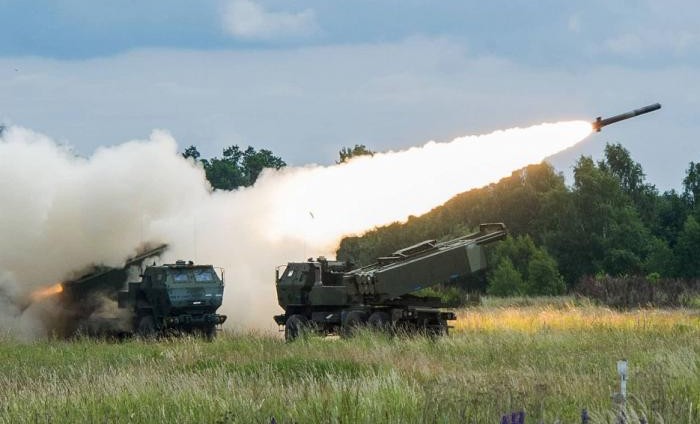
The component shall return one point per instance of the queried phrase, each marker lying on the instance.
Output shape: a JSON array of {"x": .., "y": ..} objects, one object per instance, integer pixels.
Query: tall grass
[{"x": 549, "y": 359}]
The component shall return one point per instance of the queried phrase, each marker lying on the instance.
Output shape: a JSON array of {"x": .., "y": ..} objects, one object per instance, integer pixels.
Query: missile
[{"x": 600, "y": 122}]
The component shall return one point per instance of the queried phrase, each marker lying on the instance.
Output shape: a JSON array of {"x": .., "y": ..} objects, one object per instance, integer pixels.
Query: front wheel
[
  {"x": 207, "y": 333},
  {"x": 210, "y": 333},
  {"x": 295, "y": 326}
]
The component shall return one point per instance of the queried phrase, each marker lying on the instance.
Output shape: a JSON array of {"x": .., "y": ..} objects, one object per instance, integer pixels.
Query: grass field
[{"x": 548, "y": 358}]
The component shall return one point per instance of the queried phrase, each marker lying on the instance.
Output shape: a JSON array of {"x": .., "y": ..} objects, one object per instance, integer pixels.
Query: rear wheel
[
  {"x": 440, "y": 329},
  {"x": 354, "y": 320},
  {"x": 146, "y": 327},
  {"x": 295, "y": 326},
  {"x": 379, "y": 320}
]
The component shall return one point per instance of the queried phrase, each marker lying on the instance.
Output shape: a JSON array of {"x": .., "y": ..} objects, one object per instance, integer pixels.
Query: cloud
[
  {"x": 625, "y": 44},
  {"x": 678, "y": 43},
  {"x": 307, "y": 103},
  {"x": 247, "y": 19}
]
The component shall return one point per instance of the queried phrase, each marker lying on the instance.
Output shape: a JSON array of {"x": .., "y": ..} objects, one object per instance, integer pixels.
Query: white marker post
[{"x": 621, "y": 397}]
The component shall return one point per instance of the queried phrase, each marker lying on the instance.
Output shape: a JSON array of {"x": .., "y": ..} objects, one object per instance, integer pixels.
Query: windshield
[
  {"x": 194, "y": 275},
  {"x": 204, "y": 275},
  {"x": 181, "y": 276}
]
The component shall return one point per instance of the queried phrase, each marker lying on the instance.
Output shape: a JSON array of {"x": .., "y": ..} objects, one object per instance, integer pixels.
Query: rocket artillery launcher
[
  {"x": 330, "y": 297},
  {"x": 81, "y": 297},
  {"x": 168, "y": 299},
  {"x": 600, "y": 122}
]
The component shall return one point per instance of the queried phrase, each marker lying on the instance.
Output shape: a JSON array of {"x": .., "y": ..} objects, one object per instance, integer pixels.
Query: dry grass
[
  {"x": 570, "y": 315},
  {"x": 549, "y": 358}
]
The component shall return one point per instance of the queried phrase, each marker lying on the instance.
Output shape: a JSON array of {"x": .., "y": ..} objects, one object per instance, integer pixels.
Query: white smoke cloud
[
  {"x": 61, "y": 213},
  {"x": 249, "y": 20}
]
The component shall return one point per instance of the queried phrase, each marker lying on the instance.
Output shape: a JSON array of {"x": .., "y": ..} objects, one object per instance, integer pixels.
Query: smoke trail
[{"x": 61, "y": 213}]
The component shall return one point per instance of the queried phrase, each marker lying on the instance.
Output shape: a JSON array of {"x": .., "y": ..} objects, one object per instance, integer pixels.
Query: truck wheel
[
  {"x": 210, "y": 333},
  {"x": 379, "y": 320},
  {"x": 353, "y": 321},
  {"x": 206, "y": 333},
  {"x": 147, "y": 327},
  {"x": 295, "y": 326},
  {"x": 439, "y": 330}
]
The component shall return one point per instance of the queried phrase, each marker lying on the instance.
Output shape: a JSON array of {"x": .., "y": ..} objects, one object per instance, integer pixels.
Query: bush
[
  {"x": 533, "y": 270},
  {"x": 506, "y": 280},
  {"x": 543, "y": 276},
  {"x": 636, "y": 291}
]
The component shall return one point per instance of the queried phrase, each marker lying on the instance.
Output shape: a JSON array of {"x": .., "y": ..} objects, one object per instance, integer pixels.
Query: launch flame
[
  {"x": 100, "y": 209},
  {"x": 45, "y": 292}
]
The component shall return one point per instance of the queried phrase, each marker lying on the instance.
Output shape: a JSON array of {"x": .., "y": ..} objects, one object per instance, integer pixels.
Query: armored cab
[
  {"x": 180, "y": 296},
  {"x": 331, "y": 297}
]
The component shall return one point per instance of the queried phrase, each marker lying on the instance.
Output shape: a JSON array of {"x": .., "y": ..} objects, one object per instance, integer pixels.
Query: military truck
[
  {"x": 179, "y": 297},
  {"x": 329, "y": 297}
]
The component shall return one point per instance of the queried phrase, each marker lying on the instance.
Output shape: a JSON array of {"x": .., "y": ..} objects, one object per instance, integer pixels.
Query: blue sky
[{"x": 305, "y": 78}]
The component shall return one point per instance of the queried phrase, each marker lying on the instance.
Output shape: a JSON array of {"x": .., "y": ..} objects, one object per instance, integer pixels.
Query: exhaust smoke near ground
[{"x": 60, "y": 214}]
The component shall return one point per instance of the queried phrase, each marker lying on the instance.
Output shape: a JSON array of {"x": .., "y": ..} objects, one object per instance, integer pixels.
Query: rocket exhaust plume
[
  {"x": 45, "y": 292},
  {"x": 62, "y": 213}
]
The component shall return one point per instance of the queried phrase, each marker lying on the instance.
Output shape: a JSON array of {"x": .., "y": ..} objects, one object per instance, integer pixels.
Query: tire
[
  {"x": 438, "y": 331},
  {"x": 354, "y": 320},
  {"x": 206, "y": 333},
  {"x": 379, "y": 320},
  {"x": 295, "y": 326},
  {"x": 210, "y": 333},
  {"x": 147, "y": 327}
]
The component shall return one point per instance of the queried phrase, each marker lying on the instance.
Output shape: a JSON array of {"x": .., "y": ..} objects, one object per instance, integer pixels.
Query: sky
[{"x": 306, "y": 78}]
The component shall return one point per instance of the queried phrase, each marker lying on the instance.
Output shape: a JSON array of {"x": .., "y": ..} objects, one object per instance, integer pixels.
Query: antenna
[{"x": 312, "y": 218}]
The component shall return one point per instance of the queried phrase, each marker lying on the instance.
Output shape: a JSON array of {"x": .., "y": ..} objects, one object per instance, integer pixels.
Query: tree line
[{"x": 241, "y": 168}]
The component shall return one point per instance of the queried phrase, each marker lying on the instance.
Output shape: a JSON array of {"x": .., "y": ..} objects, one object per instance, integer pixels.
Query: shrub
[{"x": 506, "y": 280}]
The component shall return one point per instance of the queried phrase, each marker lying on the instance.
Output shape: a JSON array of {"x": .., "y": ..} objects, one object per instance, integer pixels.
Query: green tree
[
  {"x": 191, "y": 152},
  {"x": 687, "y": 251},
  {"x": 347, "y": 153},
  {"x": 660, "y": 260},
  {"x": 543, "y": 275},
  {"x": 601, "y": 221},
  {"x": 236, "y": 168},
  {"x": 618, "y": 162},
  {"x": 253, "y": 162},
  {"x": 691, "y": 184},
  {"x": 671, "y": 212},
  {"x": 537, "y": 269},
  {"x": 505, "y": 280}
]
